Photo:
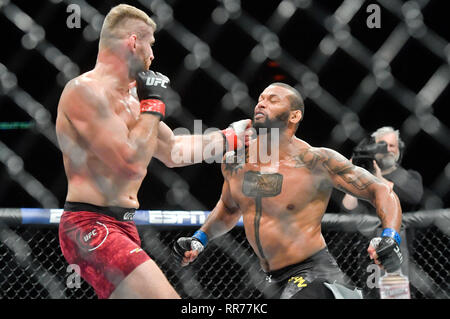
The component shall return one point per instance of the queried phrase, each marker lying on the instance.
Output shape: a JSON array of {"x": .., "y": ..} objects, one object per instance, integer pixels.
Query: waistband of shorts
[
  {"x": 280, "y": 274},
  {"x": 120, "y": 213}
]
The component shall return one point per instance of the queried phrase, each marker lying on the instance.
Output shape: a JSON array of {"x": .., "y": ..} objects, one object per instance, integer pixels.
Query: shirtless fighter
[
  {"x": 282, "y": 204},
  {"x": 108, "y": 136}
]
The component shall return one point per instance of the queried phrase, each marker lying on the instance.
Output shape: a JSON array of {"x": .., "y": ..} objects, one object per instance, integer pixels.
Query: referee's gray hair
[{"x": 385, "y": 130}]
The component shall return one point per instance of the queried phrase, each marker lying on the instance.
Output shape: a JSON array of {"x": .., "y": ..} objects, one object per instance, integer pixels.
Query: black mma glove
[
  {"x": 198, "y": 242},
  {"x": 389, "y": 254},
  {"x": 152, "y": 88},
  {"x": 387, "y": 249}
]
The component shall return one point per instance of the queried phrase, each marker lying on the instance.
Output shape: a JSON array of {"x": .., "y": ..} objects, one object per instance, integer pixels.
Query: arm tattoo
[
  {"x": 342, "y": 189},
  {"x": 338, "y": 165},
  {"x": 308, "y": 159}
]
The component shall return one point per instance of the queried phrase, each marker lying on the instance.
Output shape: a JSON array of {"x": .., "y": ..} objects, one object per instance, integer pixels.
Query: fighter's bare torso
[
  {"x": 283, "y": 203},
  {"x": 89, "y": 179}
]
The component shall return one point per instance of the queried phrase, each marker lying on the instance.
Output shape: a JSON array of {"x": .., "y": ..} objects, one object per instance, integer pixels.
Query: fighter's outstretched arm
[
  {"x": 358, "y": 182},
  {"x": 183, "y": 150}
]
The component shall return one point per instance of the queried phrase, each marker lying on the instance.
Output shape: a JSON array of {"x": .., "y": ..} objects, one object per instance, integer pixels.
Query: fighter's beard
[
  {"x": 279, "y": 122},
  {"x": 135, "y": 65}
]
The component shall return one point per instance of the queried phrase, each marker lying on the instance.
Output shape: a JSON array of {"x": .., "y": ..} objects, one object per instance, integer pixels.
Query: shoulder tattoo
[
  {"x": 308, "y": 159},
  {"x": 234, "y": 162}
]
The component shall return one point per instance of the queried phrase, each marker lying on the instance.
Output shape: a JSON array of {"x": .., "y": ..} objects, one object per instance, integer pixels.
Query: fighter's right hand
[
  {"x": 152, "y": 88},
  {"x": 186, "y": 249}
]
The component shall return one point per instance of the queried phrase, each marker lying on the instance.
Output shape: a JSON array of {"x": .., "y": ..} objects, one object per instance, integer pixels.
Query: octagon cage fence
[{"x": 32, "y": 265}]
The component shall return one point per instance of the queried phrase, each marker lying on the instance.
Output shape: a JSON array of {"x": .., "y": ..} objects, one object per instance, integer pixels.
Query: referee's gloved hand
[{"x": 186, "y": 249}]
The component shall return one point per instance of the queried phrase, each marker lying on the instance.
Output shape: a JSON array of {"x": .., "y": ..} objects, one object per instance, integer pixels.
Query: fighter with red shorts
[
  {"x": 108, "y": 136},
  {"x": 102, "y": 243}
]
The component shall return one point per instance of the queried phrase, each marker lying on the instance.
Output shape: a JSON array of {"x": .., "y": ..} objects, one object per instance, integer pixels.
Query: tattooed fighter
[{"x": 282, "y": 204}]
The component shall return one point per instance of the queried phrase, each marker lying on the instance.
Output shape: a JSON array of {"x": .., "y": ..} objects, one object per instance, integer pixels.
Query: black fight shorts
[{"x": 309, "y": 279}]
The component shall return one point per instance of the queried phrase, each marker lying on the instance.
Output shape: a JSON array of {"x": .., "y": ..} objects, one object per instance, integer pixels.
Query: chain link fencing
[
  {"x": 32, "y": 265},
  {"x": 354, "y": 79}
]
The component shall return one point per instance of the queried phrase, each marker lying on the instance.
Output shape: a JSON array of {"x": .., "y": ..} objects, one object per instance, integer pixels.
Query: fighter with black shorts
[
  {"x": 309, "y": 279},
  {"x": 282, "y": 197}
]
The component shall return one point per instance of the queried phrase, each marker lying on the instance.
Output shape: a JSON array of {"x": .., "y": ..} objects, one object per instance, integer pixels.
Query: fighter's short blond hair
[{"x": 115, "y": 24}]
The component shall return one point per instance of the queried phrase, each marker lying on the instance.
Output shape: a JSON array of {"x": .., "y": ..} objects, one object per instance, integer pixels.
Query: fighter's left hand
[
  {"x": 385, "y": 252},
  {"x": 238, "y": 134}
]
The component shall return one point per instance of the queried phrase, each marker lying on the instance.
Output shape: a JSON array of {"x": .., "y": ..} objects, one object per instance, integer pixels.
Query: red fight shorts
[{"x": 105, "y": 248}]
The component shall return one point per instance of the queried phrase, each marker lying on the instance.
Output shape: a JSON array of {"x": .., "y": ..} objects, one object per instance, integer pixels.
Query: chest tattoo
[{"x": 258, "y": 185}]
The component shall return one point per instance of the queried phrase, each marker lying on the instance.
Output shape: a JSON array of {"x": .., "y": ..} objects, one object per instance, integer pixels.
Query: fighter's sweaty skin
[{"x": 287, "y": 229}]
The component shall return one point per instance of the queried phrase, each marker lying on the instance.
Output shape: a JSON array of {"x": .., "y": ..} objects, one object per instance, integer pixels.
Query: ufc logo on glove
[{"x": 156, "y": 81}]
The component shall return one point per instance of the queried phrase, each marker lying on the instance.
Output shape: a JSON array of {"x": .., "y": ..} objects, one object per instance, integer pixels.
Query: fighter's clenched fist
[
  {"x": 152, "y": 88},
  {"x": 237, "y": 134},
  {"x": 385, "y": 250},
  {"x": 186, "y": 249}
]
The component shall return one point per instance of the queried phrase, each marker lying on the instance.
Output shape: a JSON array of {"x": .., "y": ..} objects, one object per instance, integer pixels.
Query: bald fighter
[
  {"x": 282, "y": 203},
  {"x": 108, "y": 136}
]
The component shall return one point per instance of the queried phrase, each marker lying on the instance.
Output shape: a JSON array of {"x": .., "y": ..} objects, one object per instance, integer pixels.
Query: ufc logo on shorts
[
  {"x": 87, "y": 237},
  {"x": 128, "y": 216},
  {"x": 156, "y": 82}
]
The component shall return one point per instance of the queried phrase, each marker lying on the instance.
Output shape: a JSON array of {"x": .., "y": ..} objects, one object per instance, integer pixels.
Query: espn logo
[{"x": 156, "y": 82}]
